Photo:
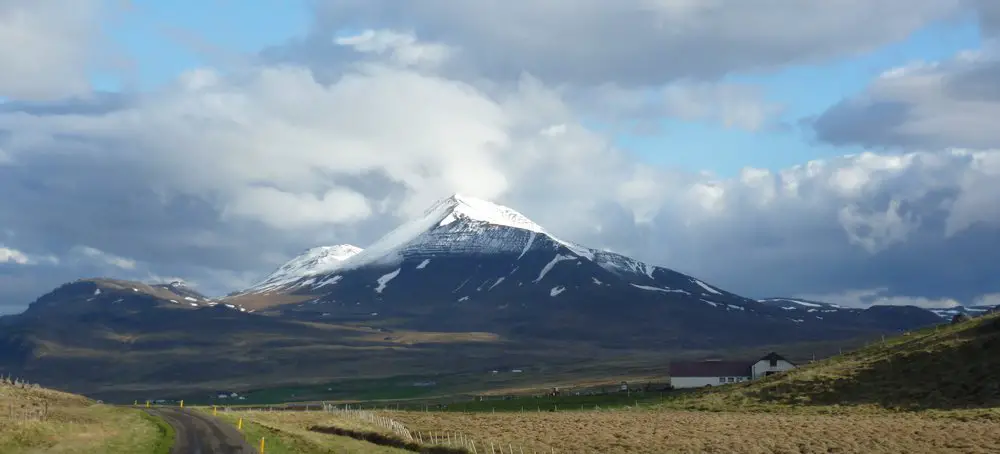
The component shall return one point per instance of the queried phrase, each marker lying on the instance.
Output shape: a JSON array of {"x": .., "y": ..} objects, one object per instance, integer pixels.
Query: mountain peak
[
  {"x": 456, "y": 223},
  {"x": 314, "y": 261},
  {"x": 460, "y": 206},
  {"x": 335, "y": 252}
]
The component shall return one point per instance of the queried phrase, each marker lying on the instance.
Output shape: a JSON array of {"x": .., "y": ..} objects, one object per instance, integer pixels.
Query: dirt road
[{"x": 199, "y": 433}]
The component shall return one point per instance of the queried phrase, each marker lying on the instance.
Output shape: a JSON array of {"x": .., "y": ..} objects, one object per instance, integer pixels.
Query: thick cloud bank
[{"x": 224, "y": 173}]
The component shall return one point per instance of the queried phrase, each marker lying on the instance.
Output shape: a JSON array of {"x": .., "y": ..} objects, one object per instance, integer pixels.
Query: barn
[{"x": 712, "y": 372}]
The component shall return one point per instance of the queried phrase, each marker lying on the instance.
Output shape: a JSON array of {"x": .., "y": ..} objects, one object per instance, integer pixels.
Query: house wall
[
  {"x": 760, "y": 368},
  {"x": 698, "y": 382}
]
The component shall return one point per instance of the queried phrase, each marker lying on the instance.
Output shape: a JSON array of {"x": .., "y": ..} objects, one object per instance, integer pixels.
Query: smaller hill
[
  {"x": 948, "y": 366},
  {"x": 36, "y": 419}
]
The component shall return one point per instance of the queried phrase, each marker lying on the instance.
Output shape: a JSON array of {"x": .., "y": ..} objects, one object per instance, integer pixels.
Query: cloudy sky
[{"x": 844, "y": 150}]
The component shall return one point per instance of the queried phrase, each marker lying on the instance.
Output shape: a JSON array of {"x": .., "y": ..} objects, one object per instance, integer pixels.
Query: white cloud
[
  {"x": 295, "y": 210},
  {"x": 400, "y": 48},
  {"x": 639, "y": 42},
  {"x": 740, "y": 106},
  {"x": 878, "y": 297},
  {"x": 45, "y": 47},
  {"x": 221, "y": 173},
  {"x": 101, "y": 257},
  {"x": 737, "y": 106},
  {"x": 343, "y": 162},
  {"x": 992, "y": 299},
  {"x": 17, "y": 257},
  {"x": 8, "y": 255}
]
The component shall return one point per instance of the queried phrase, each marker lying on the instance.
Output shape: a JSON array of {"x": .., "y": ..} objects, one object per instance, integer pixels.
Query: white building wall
[
  {"x": 693, "y": 382},
  {"x": 698, "y": 382},
  {"x": 762, "y": 367}
]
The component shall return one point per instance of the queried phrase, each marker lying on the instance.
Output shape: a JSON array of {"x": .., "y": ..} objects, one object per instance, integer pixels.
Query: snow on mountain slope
[
  {"x": 793, "y": 303},
  {"x": 471, "y": 263},
  {"x": 455, "y": 225},
  {"x": 973, "y": 311},
  {"x": 450, "y": 224},
  {"x": 315, "y": 261},
  {"x": 465, "y": 227}
]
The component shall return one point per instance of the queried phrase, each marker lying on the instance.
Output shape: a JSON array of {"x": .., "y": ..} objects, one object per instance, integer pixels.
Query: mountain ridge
[{"x": 478, "y": 264}]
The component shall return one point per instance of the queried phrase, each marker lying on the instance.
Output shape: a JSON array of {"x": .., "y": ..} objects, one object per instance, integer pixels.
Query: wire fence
[{"x": 449, "y": 439}]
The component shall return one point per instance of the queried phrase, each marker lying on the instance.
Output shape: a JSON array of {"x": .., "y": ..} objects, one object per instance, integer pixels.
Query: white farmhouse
[{"x": 695, "y": 374}]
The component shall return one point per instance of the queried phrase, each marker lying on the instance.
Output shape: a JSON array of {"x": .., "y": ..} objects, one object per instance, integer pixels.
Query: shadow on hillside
[{"x": 963, "y": 372}]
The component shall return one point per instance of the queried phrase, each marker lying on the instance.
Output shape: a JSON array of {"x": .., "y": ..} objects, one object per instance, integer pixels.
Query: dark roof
[
  {"x": 710, "y": 369},
  {"x": 775, "y": 357}
]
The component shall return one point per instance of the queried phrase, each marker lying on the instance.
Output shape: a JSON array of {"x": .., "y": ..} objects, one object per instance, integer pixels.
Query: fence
[
  {"x": 369, "y": 416},
  {"x": 449, "y": 439}
]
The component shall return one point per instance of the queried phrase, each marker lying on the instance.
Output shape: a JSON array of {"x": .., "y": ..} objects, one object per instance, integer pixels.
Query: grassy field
[
  {"x": 288, "y": 432},
  {"x": 46, "y": 421},
  {"x": 678, "y": 431},
  {"x": 930, "y": 391}
]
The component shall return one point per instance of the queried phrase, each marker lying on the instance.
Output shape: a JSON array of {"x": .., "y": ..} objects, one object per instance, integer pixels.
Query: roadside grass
[
  {"x": 74, "y": 424},
  {"x": 288, "y": 432},
  {"x": 166, "y": 436}
]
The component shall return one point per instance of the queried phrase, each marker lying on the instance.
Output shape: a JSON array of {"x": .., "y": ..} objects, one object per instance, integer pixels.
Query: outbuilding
[{"x": 713, "y": 372}]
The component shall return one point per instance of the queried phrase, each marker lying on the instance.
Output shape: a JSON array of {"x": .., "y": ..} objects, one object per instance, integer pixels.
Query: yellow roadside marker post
[
  {"x": 182, "y": 404},
  {"x": 261, "y": 445},
  {"x": 147, "y": 404},
  {"x": 239, "y": 425}
]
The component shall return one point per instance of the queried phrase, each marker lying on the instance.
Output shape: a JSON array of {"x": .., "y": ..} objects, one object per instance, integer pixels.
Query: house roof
[
  {"x": 710, "y": 369},
  {"x": 775, "y": 357}
]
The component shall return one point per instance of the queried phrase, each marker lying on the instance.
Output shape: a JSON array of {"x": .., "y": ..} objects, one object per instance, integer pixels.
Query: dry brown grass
[
  {"x": 706, "y": 432},
  {"x": 258, "y": 301},
  {"x": 406, "y": 337}
]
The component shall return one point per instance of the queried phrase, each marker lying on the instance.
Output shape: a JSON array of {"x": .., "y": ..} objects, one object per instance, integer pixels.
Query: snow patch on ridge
[
  {"x": 706, "y": 287},
  {"x": 499, "y": 280},
  {"x": 548, "y": 266},
  {"x": 557, "y": 290},
  {"x": 658, "y": 289},
  {"x": 531, "y": 241},
  {"x": 384, "y": 280},
  {"x": 329, "y": 281},
  {"x": 423, "y": 264}
]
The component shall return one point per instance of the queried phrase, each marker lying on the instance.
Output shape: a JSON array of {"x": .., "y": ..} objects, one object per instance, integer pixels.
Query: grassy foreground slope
[
  {"x": 37, "y": 420},
  {"x": 947, "y": 367}
]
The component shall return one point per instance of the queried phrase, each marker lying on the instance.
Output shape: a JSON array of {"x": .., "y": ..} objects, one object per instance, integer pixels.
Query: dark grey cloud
[
  {"x": 630, "y": 42},
  {"x": 219, "y": 177},
  {"x": 929, "y": 106}
]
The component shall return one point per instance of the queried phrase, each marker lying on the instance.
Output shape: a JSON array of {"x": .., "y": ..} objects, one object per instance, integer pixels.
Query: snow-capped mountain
[
  {"x": 472, "y": 263},
  {"x": 313, "y": 262}
]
